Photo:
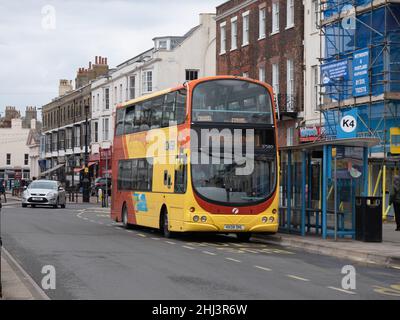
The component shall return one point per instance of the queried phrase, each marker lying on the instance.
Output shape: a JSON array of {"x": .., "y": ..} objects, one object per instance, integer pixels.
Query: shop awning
[{"x": 52, "y": 170}]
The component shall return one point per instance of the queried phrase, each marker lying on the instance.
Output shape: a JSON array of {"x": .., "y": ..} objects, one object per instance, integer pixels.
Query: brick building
[
  {"x": 263, "y": 39},
  {"x": 64, "y": 123}
]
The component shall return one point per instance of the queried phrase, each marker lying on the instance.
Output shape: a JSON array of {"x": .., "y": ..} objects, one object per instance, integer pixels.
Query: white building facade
[
  {"x": 14, "y": 153},
  {"x": 171, "y": 62},
  {"x": 312, "y": 51}
]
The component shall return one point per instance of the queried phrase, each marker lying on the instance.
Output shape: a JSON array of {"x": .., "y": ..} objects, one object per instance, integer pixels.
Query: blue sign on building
[
  {"x": 348, "y": 124},
  {"x": 333, "y": 71},
  {"x": 360, "y": 73}
]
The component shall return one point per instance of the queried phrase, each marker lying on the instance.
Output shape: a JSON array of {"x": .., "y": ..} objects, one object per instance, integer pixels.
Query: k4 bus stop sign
[{"x": 348, "y": 125}]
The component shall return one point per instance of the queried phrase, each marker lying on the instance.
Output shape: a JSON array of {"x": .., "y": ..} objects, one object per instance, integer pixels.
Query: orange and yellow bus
[{"x": 202, "y": 157}]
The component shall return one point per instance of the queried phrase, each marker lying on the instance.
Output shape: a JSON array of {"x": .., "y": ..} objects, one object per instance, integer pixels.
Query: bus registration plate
[{"x": 234, "y": 227}]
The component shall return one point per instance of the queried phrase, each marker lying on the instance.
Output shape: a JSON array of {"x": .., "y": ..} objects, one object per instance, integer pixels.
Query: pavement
[
  {"x": 386, "y": 253},
  {"x": 95, "y": 258}
]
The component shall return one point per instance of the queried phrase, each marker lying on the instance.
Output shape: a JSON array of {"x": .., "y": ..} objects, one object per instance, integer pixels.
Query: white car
[{"x": 44, "y": 193}]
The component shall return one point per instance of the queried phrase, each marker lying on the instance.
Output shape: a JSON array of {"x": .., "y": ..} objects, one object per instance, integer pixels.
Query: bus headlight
[
  {"x": 264, "y": 219},
  {"x": 271, "y": 219},
  {"x": 196, "y": 218},
  {"x": 203, "y": 219},
  {"x": 274, "y": 211}
]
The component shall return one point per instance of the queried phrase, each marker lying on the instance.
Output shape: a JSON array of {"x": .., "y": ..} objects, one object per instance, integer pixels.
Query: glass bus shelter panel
[
  {"x": 297, "y": 189},
  {"x": 313, "y": 190},
  {"x": 344, "y": 184}
]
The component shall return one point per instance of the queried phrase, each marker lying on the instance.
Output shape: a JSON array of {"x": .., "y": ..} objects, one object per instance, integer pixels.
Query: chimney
[
  {"x": 33, "y": 124},
  {"x": 97, "y": 60},
  {"x": 90, "y": 64}
]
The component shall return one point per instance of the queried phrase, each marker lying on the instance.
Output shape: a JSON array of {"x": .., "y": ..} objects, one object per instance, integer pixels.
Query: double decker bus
[{"x": 201, "y": 157}]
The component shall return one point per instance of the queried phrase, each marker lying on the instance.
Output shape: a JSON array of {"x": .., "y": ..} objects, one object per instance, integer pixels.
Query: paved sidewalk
[
  {"x": 386, "y": 253},
  {"x": 16, "y": 283}
]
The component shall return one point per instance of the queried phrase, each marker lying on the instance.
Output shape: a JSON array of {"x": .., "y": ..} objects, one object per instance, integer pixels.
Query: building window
[
  {"x": 192, "y": 75},
  {"x": 290, "y": 77},
  {"x": 132, "y": 87},
  {"x": 8, "y": 159},
  {"x": 275, "y": 17},
  {"x": 223, "y": 37},
  {"x": 120, "y": 93},
  {"x": 314, "y": 87},
  {"x": 261, "y": 74},
  {"x": 107, "y": 98},
  {"x": 289, "y": 13},
  {"x": 26, "y": 159},
  {"x": 245, "y": 75},
  {"x": 106, "y": 129},
  {"x": 77, "y": 136},
  {"x": 262, "y": 24},
  {"x": 290, "y": 136},
  {"x": 315, "y": 15},
  {"x": 275, "y": 78},
  {"x": 98, "y": 102},
  {"x": 96, "y": 132},
  {"x": 234, "y": 33},
  {"x": 147, "y": 81},
  {"x": 246, "y": 28},
  {"x": 115, "y": 95},
  {"x": 162, "y": 44}
]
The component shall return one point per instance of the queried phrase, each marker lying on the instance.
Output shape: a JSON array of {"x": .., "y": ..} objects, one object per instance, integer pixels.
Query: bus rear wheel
[
  {"x": 164, "y": 225},
  {"x": 244, "y": 237}
]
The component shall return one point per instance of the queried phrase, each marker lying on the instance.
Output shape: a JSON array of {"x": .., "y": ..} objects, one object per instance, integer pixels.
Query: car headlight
[{"x": 51, "y": 194}]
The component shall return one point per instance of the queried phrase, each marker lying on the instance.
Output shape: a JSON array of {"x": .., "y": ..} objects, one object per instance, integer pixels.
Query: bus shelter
[{"x": 319, "y": 185}]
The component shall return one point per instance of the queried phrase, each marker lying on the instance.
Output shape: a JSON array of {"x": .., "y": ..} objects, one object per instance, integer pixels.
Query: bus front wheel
[
  {"x": 164, "y": 225},
  {"x": 124, "y": 217},
  {"x": 244, "y": 237}
]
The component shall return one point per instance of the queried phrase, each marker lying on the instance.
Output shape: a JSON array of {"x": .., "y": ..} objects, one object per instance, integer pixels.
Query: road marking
[
  {"x": 170, "y": 242},
  {"x": 129, "y": 231},
  {"x": 187, "y": 247},
  {"x": 297, "y": 278},
  {"x": 157, "y": 239},
  {"x": 142, "y": 235},
  {"x": 262, "y": 268},
  {"x": 342, "y": 290},
  {"x": 209, "y": 253},
  {"x": 234, "y": 260},
  {"x": 396, "y": 267}
]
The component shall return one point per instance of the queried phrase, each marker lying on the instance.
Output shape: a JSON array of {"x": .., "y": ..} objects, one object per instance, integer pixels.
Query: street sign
[{"x": 348, "y": 125}]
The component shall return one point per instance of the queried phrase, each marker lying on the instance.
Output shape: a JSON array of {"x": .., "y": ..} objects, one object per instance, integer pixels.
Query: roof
[{"x": 353, "y": 142}]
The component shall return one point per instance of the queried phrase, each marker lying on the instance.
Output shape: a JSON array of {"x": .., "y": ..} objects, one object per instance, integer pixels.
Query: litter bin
[{"x": 369, "y": 219}]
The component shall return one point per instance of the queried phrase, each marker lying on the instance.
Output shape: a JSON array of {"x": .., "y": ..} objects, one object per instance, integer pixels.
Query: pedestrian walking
[
  {"x": 3, "y": 191},
  {"x": 395, "y": 200}
]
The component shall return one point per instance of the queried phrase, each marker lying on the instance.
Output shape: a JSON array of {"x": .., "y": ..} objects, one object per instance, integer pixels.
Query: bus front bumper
[{"x": 205, "y": 227}]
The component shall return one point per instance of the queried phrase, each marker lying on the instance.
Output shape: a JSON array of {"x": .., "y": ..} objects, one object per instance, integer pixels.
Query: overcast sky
[{"x": 37, "y": 47}]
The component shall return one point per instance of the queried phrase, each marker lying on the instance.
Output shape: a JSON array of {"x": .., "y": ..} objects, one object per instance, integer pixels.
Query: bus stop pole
[
  {"x": 1, "y": 249},
  {"x": 335, "y": 200}
]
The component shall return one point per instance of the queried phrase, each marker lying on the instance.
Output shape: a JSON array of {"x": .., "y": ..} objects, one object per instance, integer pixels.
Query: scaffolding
[{"x": 360, "y": 74}]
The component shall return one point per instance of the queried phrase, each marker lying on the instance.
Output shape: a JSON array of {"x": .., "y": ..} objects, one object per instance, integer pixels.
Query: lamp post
[{"x": 86, "y": 182}]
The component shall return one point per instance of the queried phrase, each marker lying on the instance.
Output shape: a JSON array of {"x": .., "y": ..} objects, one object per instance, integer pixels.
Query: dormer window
[{"x": 162, "y": 44}]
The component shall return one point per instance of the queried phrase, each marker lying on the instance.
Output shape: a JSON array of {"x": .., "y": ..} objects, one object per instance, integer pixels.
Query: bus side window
[
  {"x": 168, "y": 110},
  {"x": 120, "y": 122},
  {"x": 129, "y": 119},
  {"x": 180, "y": 106}
]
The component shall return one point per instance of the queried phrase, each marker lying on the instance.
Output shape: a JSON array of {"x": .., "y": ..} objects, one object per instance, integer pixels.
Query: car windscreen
[{"x": 43, "y": 185}]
